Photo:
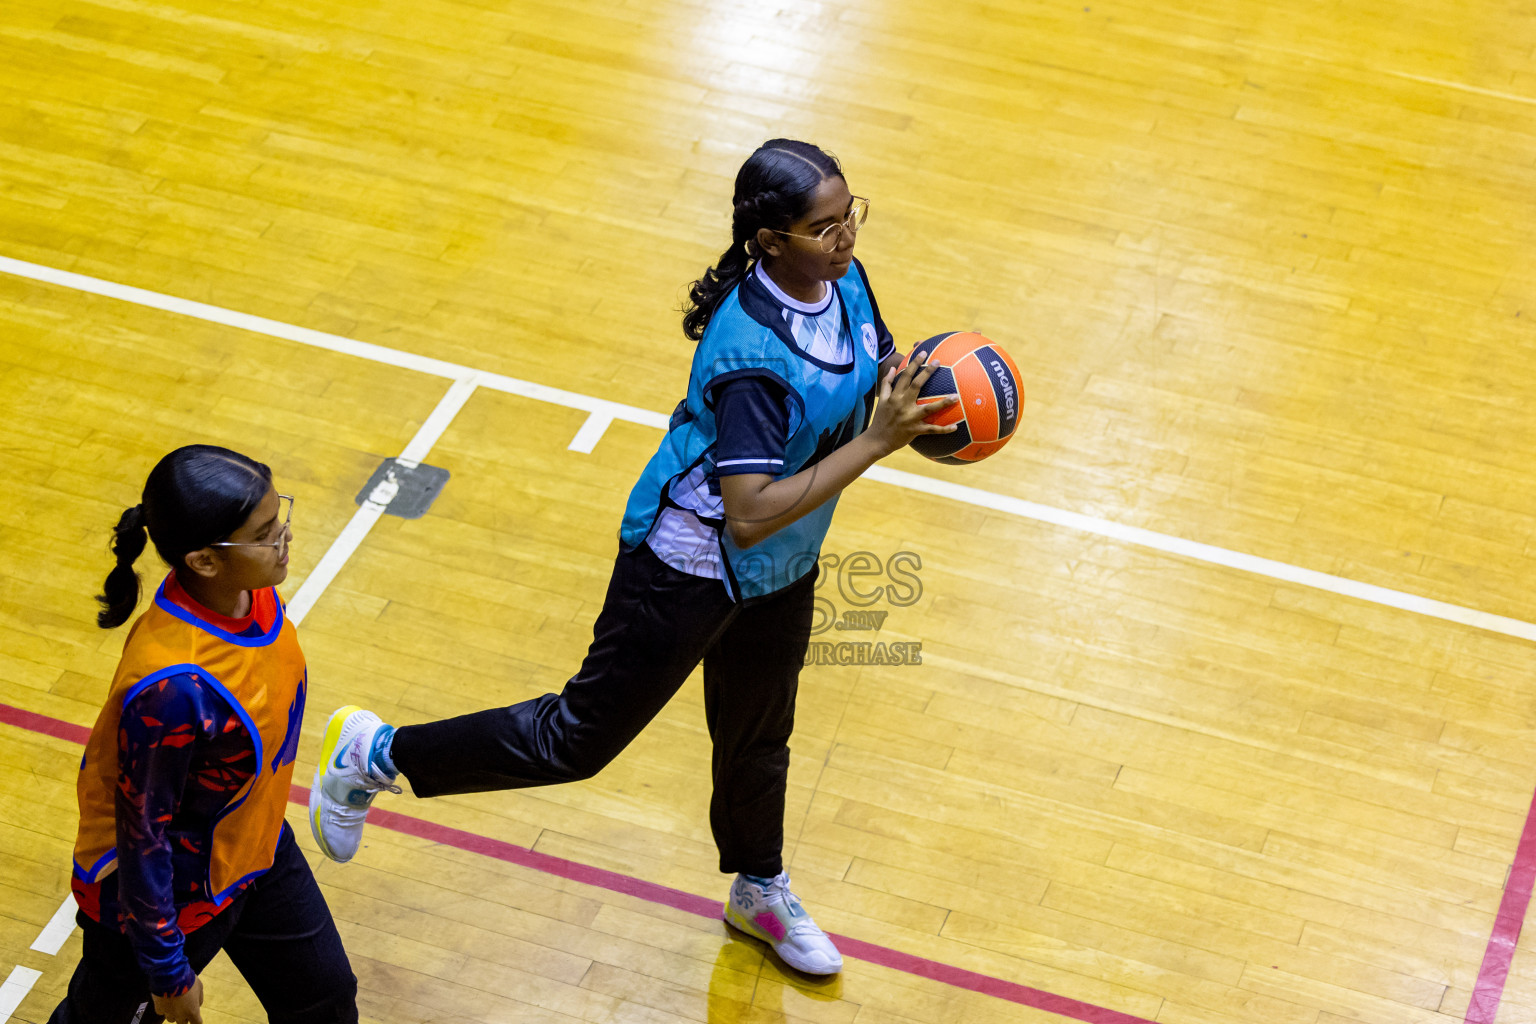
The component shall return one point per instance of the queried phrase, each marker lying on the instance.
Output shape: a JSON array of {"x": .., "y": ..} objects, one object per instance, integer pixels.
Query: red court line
[
  {"x": 34, "y": 722},
  {"x": 704, "y": 907},
  {"x": 882, "y": 956},
  {"x": 1500, "y": 953}
]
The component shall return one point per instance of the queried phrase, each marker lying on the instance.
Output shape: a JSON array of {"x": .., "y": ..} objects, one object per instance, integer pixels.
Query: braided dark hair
[
  {"x": 194, "y": 496},
  {"x": 773, "y": 189}
]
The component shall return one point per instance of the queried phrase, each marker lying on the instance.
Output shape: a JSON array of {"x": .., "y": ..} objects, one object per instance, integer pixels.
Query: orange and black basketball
[{"x": 980, "y": 372}]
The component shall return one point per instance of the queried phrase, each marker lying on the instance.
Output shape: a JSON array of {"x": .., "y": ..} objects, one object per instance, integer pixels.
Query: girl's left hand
[{"x": 186, "y": 1008}]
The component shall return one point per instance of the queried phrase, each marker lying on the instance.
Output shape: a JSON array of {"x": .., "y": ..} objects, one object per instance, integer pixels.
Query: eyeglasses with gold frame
[{"x": 828, "y": 237}]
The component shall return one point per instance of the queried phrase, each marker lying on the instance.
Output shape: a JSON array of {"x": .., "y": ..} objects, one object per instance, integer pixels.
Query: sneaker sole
[
  {"x": 751, "y": 930},
  {"x": 316, "y": 798}
]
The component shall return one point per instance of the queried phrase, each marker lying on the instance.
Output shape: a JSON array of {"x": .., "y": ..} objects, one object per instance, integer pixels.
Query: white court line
[
  {"x": 1207, "y": 553},
  {"x": 590, "y": 433},
  {"x": 369, "y": 511},
  {"x": 911, "y": 481},
  {"x": 330, "y": 342},
  {"x": 58, "y": 929},
  {"x": 432, "y": 429},
  {"x": 50, "y": 940},
  {"x": 15, "y": 989}
]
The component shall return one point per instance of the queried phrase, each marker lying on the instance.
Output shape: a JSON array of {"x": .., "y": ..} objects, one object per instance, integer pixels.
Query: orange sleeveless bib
[{"x": 263, "y": 680}]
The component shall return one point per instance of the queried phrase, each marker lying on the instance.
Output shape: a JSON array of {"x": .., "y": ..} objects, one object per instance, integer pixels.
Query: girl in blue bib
[{"x": 718, "y": 551}]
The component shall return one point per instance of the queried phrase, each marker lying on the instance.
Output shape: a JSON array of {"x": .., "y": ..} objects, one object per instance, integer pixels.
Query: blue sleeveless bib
[{"x": 830, "y": 404}]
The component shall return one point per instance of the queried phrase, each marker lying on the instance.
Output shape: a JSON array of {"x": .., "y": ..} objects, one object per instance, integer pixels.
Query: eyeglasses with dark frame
[
  {"x": 282, "y": 533},
  {"x": 829, "y": 236}
]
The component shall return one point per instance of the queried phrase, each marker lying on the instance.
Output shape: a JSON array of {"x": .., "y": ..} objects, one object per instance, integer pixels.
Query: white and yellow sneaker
[
  {"x": 346, "y": 781},
  {"x": 772, "y": 913}
]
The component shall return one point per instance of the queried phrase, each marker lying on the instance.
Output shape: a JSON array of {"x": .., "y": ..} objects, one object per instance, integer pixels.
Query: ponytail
[
  {"x": 773, "y": 188},
  {"x": 705, "y": 293},
  {"x": 120, "y": 594},
  {"x": 195, "y": 496}
]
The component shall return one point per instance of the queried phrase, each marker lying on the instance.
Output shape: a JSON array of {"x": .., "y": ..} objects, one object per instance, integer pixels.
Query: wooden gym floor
[{"x": 1266, "y": 268}]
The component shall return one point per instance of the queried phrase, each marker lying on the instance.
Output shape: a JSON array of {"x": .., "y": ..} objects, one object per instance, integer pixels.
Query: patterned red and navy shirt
[{"x": 182, "y": 756}]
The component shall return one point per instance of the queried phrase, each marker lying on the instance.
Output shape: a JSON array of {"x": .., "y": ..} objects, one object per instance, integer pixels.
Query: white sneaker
[
  {"x": 773, "y": 914},
  {"x": 345, "y": 782}
]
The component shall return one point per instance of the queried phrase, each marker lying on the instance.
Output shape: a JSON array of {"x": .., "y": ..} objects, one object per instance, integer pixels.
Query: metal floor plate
[{"x": 404, "y": 489}]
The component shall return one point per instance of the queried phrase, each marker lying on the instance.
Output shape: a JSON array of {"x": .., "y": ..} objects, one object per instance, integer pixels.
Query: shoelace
[
  {"x": 778, "y": 891},
  {"x": 384, "y": 782},
  {"x": 380, "y": 781}
]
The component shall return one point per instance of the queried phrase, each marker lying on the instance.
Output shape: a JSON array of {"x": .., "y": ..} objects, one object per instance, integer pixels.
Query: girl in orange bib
[{"x": 182, "y": 848}]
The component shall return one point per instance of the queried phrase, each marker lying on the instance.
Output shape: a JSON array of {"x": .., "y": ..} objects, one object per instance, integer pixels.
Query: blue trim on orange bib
[
  {"x": 250, "y": 727},
  {"x": 245, "y": 718},
  {"x": 218, "y": 898},
  {"x": 167, "y": 605},
  {"x": 94, "y": 871},
  {"x": 189, "y": 669}
]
